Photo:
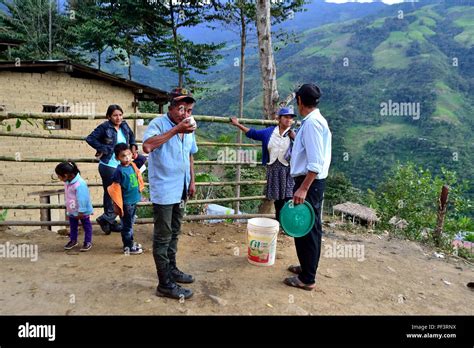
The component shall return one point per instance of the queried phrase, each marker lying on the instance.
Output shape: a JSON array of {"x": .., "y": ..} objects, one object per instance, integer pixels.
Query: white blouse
[{"x": 277, "y": 147}]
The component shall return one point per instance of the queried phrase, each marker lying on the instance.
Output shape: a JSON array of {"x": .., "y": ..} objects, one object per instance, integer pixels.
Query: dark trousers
[
  {"x": 167, "y": 227},
  {"x": 279, "y": 203},
  {"x": 308, "y": 247},
  {"x": 74, "y": 227},
  {"x": 128, "y": 219},
  {"x": 106, "y": 173}
]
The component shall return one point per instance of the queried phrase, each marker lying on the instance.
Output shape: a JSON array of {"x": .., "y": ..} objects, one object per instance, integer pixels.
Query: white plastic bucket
[{"x": 262, "y": 236}]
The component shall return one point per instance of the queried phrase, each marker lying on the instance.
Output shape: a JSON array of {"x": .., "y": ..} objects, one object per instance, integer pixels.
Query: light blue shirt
[
  {"x": 113, "y": 162},
  {"x": 312, "y": 147},
  {"x": 169, "y": 169}
]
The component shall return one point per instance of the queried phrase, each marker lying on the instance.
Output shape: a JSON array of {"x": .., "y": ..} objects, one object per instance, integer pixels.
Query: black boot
[
  {"x": 116, "y": 227},
  {"x": 179, "y": 276},
  {"x": 104, "y": 225},
  {"x": 168, "y": 288}
]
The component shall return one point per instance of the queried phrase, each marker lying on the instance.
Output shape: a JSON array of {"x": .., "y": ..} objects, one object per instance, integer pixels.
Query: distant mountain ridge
[{"x": 417, "y": 54}]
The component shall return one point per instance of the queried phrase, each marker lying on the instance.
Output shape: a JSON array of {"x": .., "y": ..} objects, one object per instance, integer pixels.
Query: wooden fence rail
[
  {"x": 200, "y": 118},
  {"x": 81, "y": 138},
  {"x": 141, "y": 204},
  {"x": 144, "y": 116},
  {"x": 19, "y": 158},
  {"x": 142, "y": 220},
  {"x": 204, "y": 184}
]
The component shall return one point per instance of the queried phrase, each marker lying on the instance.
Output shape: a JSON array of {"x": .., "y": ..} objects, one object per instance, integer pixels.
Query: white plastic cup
[{"x": 192, "y": 121}]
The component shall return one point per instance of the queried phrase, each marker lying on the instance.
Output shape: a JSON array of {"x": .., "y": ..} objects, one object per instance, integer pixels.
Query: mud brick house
[{"x": 42, "y": 86}]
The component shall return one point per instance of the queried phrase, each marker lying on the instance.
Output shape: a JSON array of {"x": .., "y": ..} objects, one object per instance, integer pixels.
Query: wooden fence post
[{"x": 442, "y": 207}]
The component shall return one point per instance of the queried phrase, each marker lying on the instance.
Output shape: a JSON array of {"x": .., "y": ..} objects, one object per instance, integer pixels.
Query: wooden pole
[
  {"x": 70, "y": 116},
  {"x": 45, "y": 213},
  {"x": 222, "y": 183},
  {"x": 142, "y": 220},
  {"x": 141, "y": 204},
  {"x": 204, "y": 143},
  {"x": 442, "y": 208},
  {"x": 95, "y": 160},
  {"x": 82, "y": 138}
]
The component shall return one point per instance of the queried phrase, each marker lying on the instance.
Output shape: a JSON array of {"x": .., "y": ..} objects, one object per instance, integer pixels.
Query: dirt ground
[{"x": 395, "y": 277}]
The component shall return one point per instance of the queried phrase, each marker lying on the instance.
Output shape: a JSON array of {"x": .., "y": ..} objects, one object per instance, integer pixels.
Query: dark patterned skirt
[{"x": 279, "y": 182}]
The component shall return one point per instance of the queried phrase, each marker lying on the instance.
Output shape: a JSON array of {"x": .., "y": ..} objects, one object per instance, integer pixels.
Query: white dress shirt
[
  {"x": 312, "y": 147},
  {"x": 277, "y": 147}
]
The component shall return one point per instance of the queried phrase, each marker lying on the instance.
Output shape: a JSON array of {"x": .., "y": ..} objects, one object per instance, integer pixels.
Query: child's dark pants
[
  {"x": 74, "y": 226},
  {"x": 128, "y": 219}
]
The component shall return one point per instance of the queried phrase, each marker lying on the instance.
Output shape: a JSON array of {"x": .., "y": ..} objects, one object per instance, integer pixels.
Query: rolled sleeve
[
  {"x": 313, "y": 143},
  {"x": 194, "y": 147}
]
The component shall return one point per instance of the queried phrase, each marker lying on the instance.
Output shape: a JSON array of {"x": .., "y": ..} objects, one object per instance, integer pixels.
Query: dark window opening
[{"x": 56, "y": 123}]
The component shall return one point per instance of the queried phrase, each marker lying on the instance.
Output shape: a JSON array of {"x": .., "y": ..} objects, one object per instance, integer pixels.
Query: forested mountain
[{"x": 418, "y": 57}]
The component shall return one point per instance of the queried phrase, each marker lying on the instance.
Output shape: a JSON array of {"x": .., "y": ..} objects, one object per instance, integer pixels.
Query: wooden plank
[{"x": 47, "y": 192}]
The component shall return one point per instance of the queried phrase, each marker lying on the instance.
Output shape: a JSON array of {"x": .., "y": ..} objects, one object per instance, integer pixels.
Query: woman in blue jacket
[
  {"x": 103, "y": 139},
  {"x": 276, "y": 141}
]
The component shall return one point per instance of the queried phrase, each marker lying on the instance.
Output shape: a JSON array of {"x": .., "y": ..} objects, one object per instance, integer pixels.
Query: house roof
[
  {"x": 358, "y": 210},
  {"x": 142, "y": 92}
]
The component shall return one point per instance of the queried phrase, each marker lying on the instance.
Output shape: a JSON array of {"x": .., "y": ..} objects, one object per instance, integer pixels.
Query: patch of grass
[
  {"x": 334, "y": 45},
  {"x": 464, "y": 20},
  {"x": 285, "y": 84},
  {"x": 447, "y": 103},
  {"x": 356, "y": 137},
  {"x": 419, "y": 30},
  {"x": 378, "y": 23},
  {"x": 390, "y": 54}
]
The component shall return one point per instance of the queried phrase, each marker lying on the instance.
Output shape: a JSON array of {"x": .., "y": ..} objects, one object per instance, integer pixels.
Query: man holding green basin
[{"x": 310, "y": 161}]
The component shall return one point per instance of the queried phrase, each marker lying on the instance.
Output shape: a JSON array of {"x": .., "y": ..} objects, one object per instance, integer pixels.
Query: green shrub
[{"x": 412, "y": 193}]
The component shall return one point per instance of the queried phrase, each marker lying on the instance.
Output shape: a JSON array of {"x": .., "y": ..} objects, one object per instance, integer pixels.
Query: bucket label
[{"x": 259, "y": 251}]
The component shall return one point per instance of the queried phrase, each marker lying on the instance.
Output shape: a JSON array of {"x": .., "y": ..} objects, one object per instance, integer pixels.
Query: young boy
[
  {"x": 137, "y": 158},
  {"x": 125, "y": 192}
]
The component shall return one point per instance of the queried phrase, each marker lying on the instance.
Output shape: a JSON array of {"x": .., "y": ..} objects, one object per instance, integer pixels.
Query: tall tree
[
  {"x": 267, "y": 60},
  {"x": 240, "y": 16},
  {"x": 40, "y": 27},
  {"x": 183, "y": 56},
  {"x": 131, "y": 22},
  {"x": 92, "y": 27},
  {"x": 237, "y": 16},
  {"x": 125, "y": 28}
]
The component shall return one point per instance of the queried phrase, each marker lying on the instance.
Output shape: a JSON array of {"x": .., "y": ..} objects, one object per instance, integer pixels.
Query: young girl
[{"x": 78, "y": 203}]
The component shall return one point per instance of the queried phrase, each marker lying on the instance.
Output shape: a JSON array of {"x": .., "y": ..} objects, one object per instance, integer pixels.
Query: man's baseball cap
[
  {"x": 286, "y": 111},
  {"x": 310, "y": 91},
  {"x": 181, "y": 94}
]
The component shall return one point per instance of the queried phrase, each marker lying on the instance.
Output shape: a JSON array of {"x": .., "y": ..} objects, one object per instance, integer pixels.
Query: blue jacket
[
  {"x": 264, "y": 136},
  {"x": 104, "y": 138}
]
